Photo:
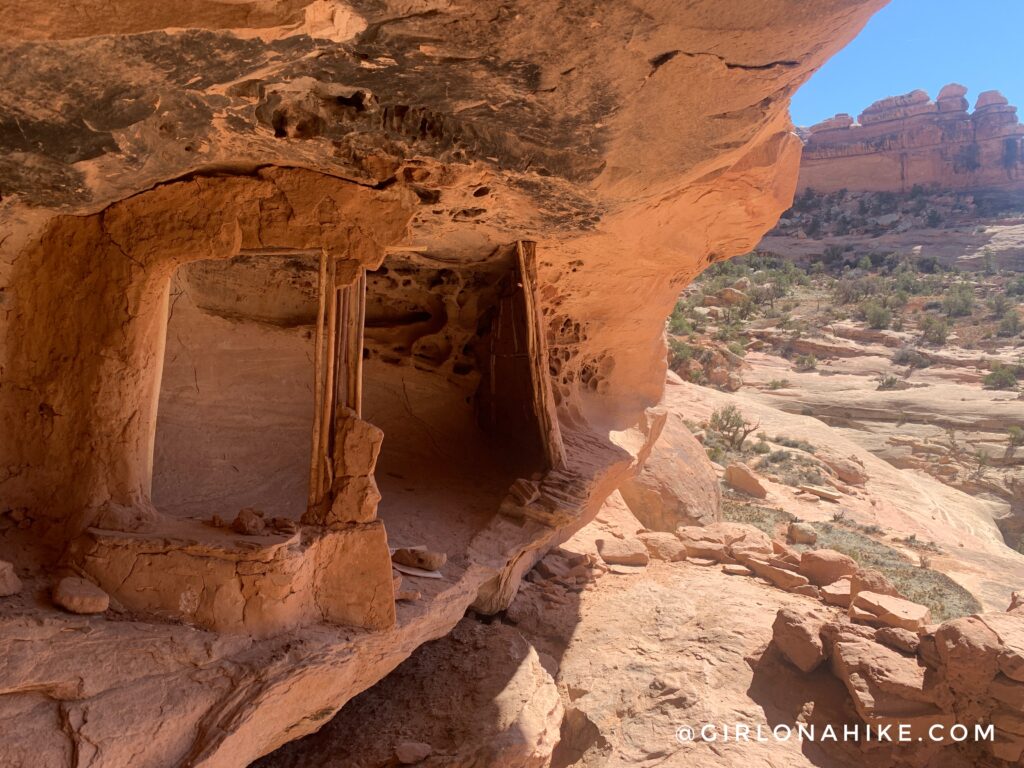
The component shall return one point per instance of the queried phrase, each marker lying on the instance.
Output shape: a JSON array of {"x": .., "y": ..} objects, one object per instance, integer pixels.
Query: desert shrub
[
  {"x": 792, "y": 469},
  {"x": 1001, "y": 377},
  {"x": 766, "y": 519},
  {"x": 1000, "y": 305},
  {"x": 806, "y": 363},
  {"x": 1010, "y": 325},
  {"x": 736, "y": 348},
  {"x": 1015, "y": 436},
  {"x": 762, "y": 448},
  {"x": 731, "y": 424},
  {"x": 778, "y": 384},
  {"x": 958, "y": 301},
  {"x": 679, "y": 324},
  {"x": 679, "y": 352},
  {"x": 944, "y": 597},
  {"x": 790, "y": 442},
  {"x": 876, "y": 314},
  {"x": 934, "y": 329},
  {"x": 889, "y": 383},
  {"x": 907, "y": 355}
]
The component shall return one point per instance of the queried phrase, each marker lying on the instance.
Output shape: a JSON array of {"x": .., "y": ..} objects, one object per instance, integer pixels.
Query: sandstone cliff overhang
[{"x": 590, "y": 159}]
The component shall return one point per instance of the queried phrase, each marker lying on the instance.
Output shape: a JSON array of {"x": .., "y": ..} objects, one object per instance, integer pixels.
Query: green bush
[
  {"x": 736, "y": 348},
  {"x": 679, "y": 352},
  {"x": 1010, "y": 325},
  {"x": 790, "y": 442},
  {"x": 888, "y": 383},
  {"x": 907, "y": 355},
  {"x": 731, "y": 424},
  {"x": 958, "y": 301},
  {"x": 806, "y": 363},
  {"x": 876, "y": 314},
  {"x": 778, "y": 384},
  {"x": 1001, "y": 377},
  {"x": 934, "y": 329},
  {"x": 1000, "y": 305},
  {"x": 944, "y": 597}
]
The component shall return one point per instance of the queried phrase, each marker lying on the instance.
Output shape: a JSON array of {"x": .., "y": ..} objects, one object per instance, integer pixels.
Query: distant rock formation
[{"x": 909, "y": 140}]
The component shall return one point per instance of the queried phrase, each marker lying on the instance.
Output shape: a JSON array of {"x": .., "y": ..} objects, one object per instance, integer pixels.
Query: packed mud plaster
[{"x": 629, "y": 145}]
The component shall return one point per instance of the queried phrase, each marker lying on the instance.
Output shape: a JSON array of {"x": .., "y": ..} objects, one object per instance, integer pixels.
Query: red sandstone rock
[
  {"x": 780, "y": 577},
  {"x": 837, "y": 593},
  {"x": 663, "y": 546},
  {"x": 900, "y": 639},
  {"x": 849, "y": 470},
  {"x": 80, "y": 596},
  {"x": 677, "y": 484},
  {"x": 867, "y": 580},
  {"x": 412, "y": 752},
  {"x": 798, "y": 635},
  {"x": 419, "y": 557},
  {"x": 969, "y": 653},
  {"x": 825, "y": 566},
  {"x": 1007, "y": 691},
  {"x": 886, "y": 686},
  {"x": 908, "y": 140},
  {"x": 743, "y": 479},
  {"x": 734, "y": 569},
  {"x": 249, "y": 522},
  {"x": 1010, "y": 630},
  {"x": 724, "y": 541},
  {"x": 802, "y": 533},
  {"x": 623, "y": 551},
  {"x": 10, "y": 584},
  {"x": 889, "y": 611},
  {"x": 348, "y": 161}
]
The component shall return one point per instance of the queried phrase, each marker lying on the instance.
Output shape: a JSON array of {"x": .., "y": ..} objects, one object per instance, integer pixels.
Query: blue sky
[{"x": 921, "y": 44}]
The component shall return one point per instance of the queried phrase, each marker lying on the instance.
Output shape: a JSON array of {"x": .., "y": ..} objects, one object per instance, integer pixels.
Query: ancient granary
[{"x": 392, "y": 273}]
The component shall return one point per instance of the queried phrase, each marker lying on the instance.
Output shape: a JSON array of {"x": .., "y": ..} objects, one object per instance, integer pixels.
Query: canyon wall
[
  {"x": 906, "y": 141},
  {"x": 531, "y": 182}
]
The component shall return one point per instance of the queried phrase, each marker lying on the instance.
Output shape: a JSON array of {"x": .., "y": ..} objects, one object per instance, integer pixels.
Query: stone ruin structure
[
  {"x": 906, "y": 141},
  {"x": 287, "y": 285}
]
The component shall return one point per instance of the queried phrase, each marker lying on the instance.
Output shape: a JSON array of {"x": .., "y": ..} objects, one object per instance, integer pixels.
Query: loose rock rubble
[
  {"x": 80, "y": 596},
  {"x": 966, "y": 671}
]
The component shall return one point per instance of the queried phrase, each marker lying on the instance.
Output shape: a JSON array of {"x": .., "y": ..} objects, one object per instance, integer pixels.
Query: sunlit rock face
[
  {"x": 905, "y": 141},
  {"x": 500, "y": 203}
]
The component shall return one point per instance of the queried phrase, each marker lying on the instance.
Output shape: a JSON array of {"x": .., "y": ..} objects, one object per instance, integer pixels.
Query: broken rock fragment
[
  {"x": 797, "y": 633},
  {"x": 889, "y": 611},
  {"x": 802, "y": 533},
  {"x": 249, "y": 522},
  {"x": 10, "y": 584},
  {"x": 412, "y": 752},
  {"x": 742, "y": 478},
  {"x": 80, "y": 596},
  {"x": 663, "y": 546},
  {"x": 419, "y": 557},
  {"x": 824, "y": 566},
  {"x": 837, "y": 593},
  {"x": 623, "y": 551}
]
